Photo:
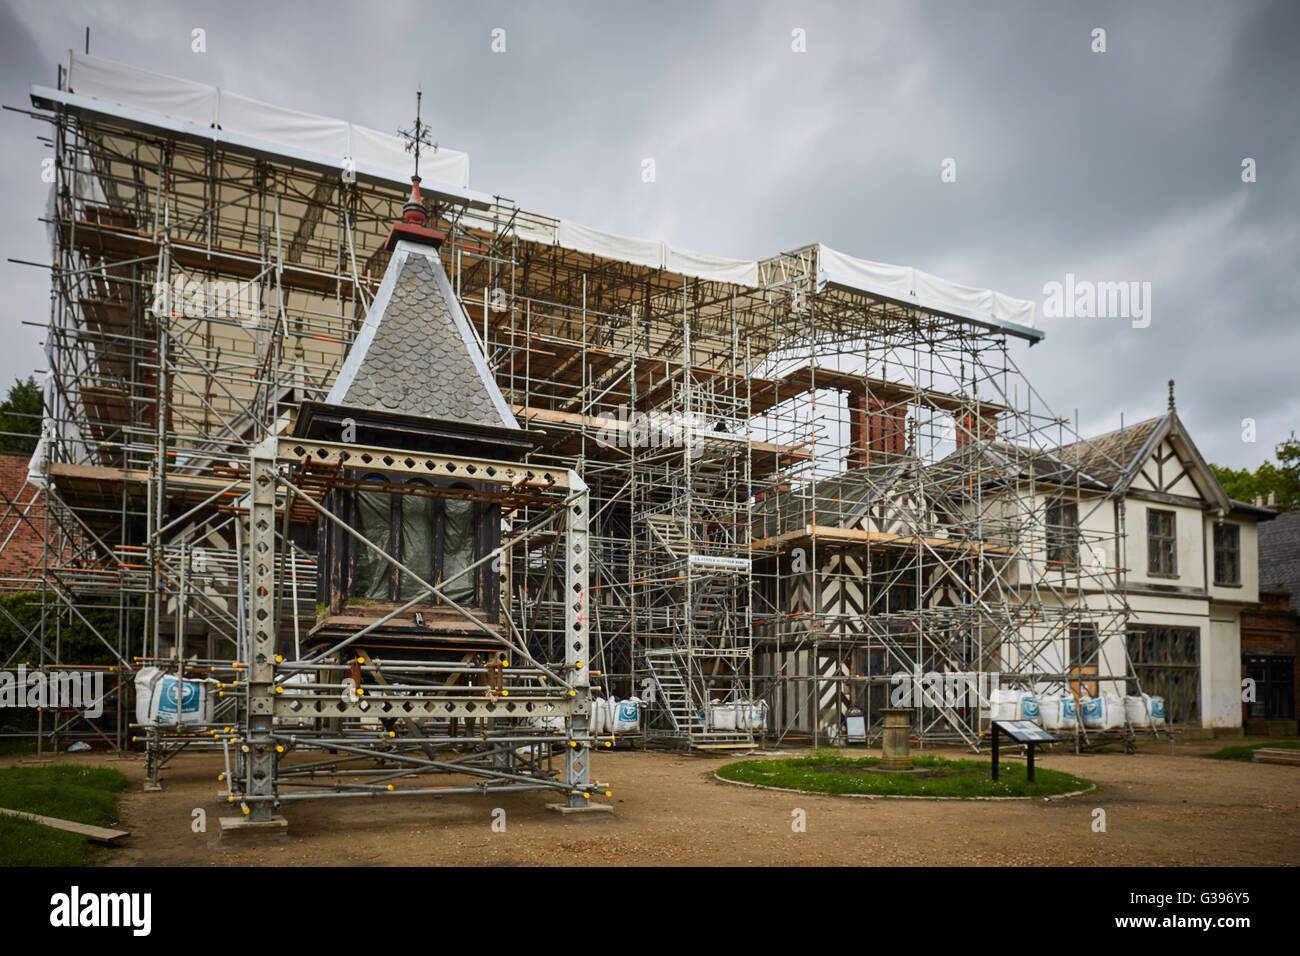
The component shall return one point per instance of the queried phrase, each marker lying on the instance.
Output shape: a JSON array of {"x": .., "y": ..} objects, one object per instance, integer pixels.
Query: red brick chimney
[
  {"x": 983, "y": 427},
  {"x": 877, "y": 432}
]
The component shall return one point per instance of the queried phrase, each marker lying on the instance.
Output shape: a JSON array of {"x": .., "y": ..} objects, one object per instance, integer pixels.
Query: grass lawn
[
  {"x": 1247, "y": 751},
  {"x": 82, "y": 794},
  {"x": 834, "y": 773}
]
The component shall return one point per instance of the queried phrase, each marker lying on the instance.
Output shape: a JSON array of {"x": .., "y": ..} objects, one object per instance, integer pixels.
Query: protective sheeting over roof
[
  {"x": 211, "y": 107},
  {"x": 642, "y": 252},
  {"x": 909, "y": 285},
  {"x": 199, "y": 109}
]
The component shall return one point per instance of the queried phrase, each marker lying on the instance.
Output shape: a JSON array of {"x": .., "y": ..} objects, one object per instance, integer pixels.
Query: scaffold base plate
[
  {"x": 586, "y": 808},
  {"x": 241, "y": 825}
]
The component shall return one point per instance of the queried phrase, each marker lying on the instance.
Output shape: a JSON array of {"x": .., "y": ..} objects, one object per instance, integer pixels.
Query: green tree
[
  {"x": 20, "y": 417},
  {"x": 1282, "y": 479}
]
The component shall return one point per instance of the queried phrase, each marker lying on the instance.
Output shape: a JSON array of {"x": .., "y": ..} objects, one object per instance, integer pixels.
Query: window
[
  {"x": 1227, "y": 554},
  {"x": 370, "y": 581},
  {"x": 458, "y": 549},
  {"x": 1162, "y": 543},
  {"x": 1063, "y": 534},
  {"x": 417, "y": 536},
  {"x": 435, "y": 537},
  {"x": 1167, "y": 663}
]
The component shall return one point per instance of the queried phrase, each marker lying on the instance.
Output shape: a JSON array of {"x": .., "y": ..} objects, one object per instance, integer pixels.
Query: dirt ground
[{"x": 1161, "y": 809}]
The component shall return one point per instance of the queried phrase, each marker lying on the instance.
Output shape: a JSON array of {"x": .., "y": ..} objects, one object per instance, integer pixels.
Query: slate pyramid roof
[{"x": 416, "y": 354}]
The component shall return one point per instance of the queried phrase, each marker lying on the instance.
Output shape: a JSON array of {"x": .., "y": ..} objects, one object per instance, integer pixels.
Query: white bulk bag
[
  {"x": 156, "y": 699},
  {"x": 751, "y": 715},
  {"x": 1157, "y": 711},
  {"x": 722, "y": 716},
  {"x": 1053, "y": 712},
  {"x": 145, "y": 680},
  {"x": 298, "y": 685},
  {"x": 627, "y": 715},
  {"x": 549, "y": 725},
  {"x": 1007, "y": 704},
  {"x": 1004, "y": 704},
  {"x": 1029, "y": 707},
  {"x": 1137, "y": 710},
  {"x": 1103, "y": 713},
  {"x": 599, "y": 722}
]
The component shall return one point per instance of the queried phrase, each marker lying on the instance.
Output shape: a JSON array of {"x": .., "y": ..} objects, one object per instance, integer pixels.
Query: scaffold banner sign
[{"x": 719, "y": 562}]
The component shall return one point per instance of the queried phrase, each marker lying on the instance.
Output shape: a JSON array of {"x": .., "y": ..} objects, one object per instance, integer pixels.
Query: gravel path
[{"x": 1160, "y": 810}]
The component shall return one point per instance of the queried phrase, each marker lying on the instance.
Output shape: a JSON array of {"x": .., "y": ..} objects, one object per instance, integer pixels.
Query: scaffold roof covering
[{"x": 208, "y": 112}]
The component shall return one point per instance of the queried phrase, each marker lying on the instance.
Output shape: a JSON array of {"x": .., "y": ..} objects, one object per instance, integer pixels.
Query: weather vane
[{"x": 418, "y": 134}]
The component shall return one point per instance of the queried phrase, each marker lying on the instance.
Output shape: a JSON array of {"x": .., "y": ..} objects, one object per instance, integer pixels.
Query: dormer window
[{"x": 1162, "y": 543}]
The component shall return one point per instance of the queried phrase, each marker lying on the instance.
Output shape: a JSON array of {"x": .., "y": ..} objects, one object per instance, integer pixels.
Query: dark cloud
[{"x": 1116, "y": 166}]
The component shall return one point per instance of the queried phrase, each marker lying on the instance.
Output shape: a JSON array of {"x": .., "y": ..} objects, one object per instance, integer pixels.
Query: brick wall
[
  {"x": 20, "y": 557},
  {"x": 1271, "y": 627}
]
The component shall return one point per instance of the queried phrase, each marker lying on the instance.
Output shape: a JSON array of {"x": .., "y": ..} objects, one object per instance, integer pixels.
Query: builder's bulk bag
[
  {"x": 751, "y": 715},
  {"x": 1013, "y": 705},
  {"x": 1137, "y": 710},
  {"x": 1004, "y": 704},
  {"x": 1029, "y": 708},
  {"x": 165, "y": 700},
  {"x": 1103, "y": 713},
  {"x": 1058, "y": 712},
  {"x": 1157, "y": 711},
  {"x": 599, "y": 722},
  {"x": 549, "y": 725},
  {"x": 145, "y": 679},
  {"x": 722, "y": 716},
  {"x": 627, "y": 715}
]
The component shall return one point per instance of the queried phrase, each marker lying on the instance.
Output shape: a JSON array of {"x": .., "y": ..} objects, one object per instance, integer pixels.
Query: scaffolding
[{"x": 796, "y": 492}]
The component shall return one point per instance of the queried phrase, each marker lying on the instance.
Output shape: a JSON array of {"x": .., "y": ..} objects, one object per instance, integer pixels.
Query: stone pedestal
[{"x": 898, "y": 727}]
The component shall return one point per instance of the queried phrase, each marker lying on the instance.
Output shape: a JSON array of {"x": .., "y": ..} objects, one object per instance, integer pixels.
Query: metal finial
[
  {"x": 1171, "y": 394},
  {"x": 418, "y": 134}
]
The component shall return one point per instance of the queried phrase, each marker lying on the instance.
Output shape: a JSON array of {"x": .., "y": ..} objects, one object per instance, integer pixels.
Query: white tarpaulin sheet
[
  {"x": 927, "y": 291},
  {"x": 652, "y": 253},
  {"x": 301, "y": 134},
  {"x": 536, "y": 229},
  {"x": 739, "y": 271},
  {"x": 641, "y": 252}
]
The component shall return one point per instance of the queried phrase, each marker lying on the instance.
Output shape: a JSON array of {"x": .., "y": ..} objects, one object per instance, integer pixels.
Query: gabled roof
[
  {"x": 1117, "y": 457},
  {"x": 1114, "y": 457},
  {"x": 416, "y": 354},
  {"x": 1105, "y": 462}
]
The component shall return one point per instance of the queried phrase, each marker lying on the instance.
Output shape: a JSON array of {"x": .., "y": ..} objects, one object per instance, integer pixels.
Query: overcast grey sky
[{"x": 1117, "y": 166}]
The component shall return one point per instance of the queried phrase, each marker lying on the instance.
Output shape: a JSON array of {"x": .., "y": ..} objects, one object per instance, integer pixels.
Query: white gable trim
[
  {"x": 374, "y": 315},
  {"x": 1172, "y": 430}
]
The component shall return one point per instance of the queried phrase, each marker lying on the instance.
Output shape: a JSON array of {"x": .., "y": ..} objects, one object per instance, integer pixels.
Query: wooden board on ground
[
  {"x": 1277, "y": 755},
  {"x": 98, "y": 834}
]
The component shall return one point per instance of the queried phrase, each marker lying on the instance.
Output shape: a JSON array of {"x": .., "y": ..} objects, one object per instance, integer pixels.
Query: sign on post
[{"x": 1022, "y": 732}]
